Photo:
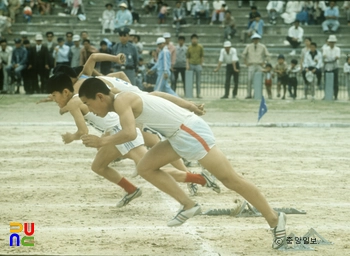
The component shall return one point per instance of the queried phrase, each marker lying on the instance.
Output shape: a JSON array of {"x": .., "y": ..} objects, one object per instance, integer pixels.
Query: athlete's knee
[
  {"x": 232, "y": 181},
  {"x": 97, "y": 168}
]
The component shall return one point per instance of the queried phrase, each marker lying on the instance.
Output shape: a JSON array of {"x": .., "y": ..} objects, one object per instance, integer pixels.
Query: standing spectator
[
  {"x": 180, "y": 64},
  {"x": 75, "y": 51},
  {"x": 252, "y": 15},
  {"x": 331, "y": 14},
  {"x": 229, "y": 26},
  {"x": 331, "y": 56},
  {"x": 194, "y": 61},
  {"x": 13, "y": 7},
  {"x": 44, "y": 6},
  {"x": 141, "y": 74},
  {"x": 5, "y": 61},
  {"x": 313, "y": 63},
  {"x": 163, "y": 68},
  {"x": 27, "y": 13},
  {"x": 292, "y": 72},
  {"x": 201, "y": 10},
  {"x": 254, "y": 55},
  {"x": 268, "y": 79},
  {"x": 18, "y": 63},
  {"x": 346, "y": 7},
  {"x": 229, "y": 56},
  {"x": 86, "y": 51},
  {"x": 219, "y": 8},
  {"x": 151, "y": 79},
  {"x": 257, "y": 27},
  {"x": 84, "y": 35},
  {"x": 282, "y": 77},
  {"x": 105, "y": 66},
  {"x": 69, "y": 37},
  {"x": 38, "y": 63},
  {"x": 171, "y": 49},
  {"x": 51, "y": 45},
  {"x": 346, "y": 69},
  {"x": 319, "y": 9},
  {"x": 108, "y": 19},
  {"x": 274, "y": 9},
  {"x": 61, "y": 53},
  {"x": 295, "y": 36},
  {"x": 290, "y": 14},
  {"x": 307, "y": 43},
  {"x": 130, "y": 51},
  {"x": 27, "y": 74},
  {"x": 138, "y": 44},
  {"x": 179, "y": 17},
  {"x": 123, "y": 17}
]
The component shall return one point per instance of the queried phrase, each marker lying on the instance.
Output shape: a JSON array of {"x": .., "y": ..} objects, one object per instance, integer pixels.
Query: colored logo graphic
[{"x": 16, "y": 228}]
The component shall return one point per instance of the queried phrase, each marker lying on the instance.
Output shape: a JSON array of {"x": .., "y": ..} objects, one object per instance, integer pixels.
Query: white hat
[
  {"x": 166, "y": 35},
  {"x": 227, "y": 44},
  {"x": 23, "y": 33},
  {"x": 132, "y": 32},
  {"x": 255, "y": 35},
  {"x": 332, "y": 38},
  {"x": 160, "y": 40},
  {"x": 76, "y": 38},
  {"x": 309, "y": 76},
  {"x": 123, "y": 5},
  {"x": 39, "y": 37}
]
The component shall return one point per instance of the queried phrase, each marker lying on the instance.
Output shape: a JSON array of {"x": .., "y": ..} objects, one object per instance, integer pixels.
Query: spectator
[
  {"x": 229, "y": 26},
  {"x": 180, "y": 63},
  {"x": 194, "y": 61},
  {"x": 268, "y": 79},
  {"x": 303, "y": 15},
  {"x": 44, "y": 6},
  {"x": 105, "y": 66},
  {"x": 312, "y": 66},
  {"x": 347, "y": 74},
  {"x": 229, "y": 56},
  {"x": 61, "y": 53},
  {"x": 27, "y": 74},
  {"x": 123, "y": 17},
  {"x": 257, "y": 27},
  {"x": 75, "y": 6},
  {"x": 188, "y": 6},
  {"x": 18, "y": 63},
  {"x": 75, "y": 51},
  {"x": 274, "y": 9},
  {"x": 151, "y": 79},
  {"x": 69, "y": 37},
  {"x": 86, "y": 51},
  {"x": 331, "y": 56},
  {"x": 5, "y": 61},
  {"x": 292, "y": 72},
  {"x": 254, "y": 55},
  {"x": 3, "y": 7},
  {"x": 135, "y": 15},
  {"x": 149, "y": 6},
  {"x": 51, "y": 45},
  {"x": 251, "y": 3},
  {"x": 130, "y": 51},
  {"x": 331, "y": 14},
  {"x": 295, "y": 36},
  {"x": 325, "y": 45},
  {"x": 163, "y": 68},
  {"x": 219, "y": 8},
  {"x": 141, "y": 74},
  {"x": 5, "y": 23},
  {"x": 319, "y": 9},
  {"x": 138, "y": 44},
  {"x": 252, "y": 15},
  {"x": 346, "y": 7},
  {"x": 307, "y": 43},
  {"x": 201, "y": 10},
  {"x": 179, "y": 17},
  {"x": 27, "y": 13},
  {"x": 290, "y": 14},
  {"x": 83, "y": 36},
  {"x": 13, "y": 7},
  {"x": 171, "y": 49},
  {"x": 162, "y": 13},
  {"x": 282, "y": 77},
  {"x": 108, "y": 19}
]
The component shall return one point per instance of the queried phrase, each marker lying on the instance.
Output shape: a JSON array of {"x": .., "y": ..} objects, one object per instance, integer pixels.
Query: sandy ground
[{"x": 51, "y": 184}]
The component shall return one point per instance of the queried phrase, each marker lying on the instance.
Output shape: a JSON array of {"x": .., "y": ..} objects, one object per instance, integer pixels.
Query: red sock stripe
[{"x": 196, "y": 136}]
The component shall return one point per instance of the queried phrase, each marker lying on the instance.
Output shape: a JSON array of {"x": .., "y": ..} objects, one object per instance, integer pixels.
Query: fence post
[
  {"x": 189, "y": 84},
  {"x": 329, "y": 82},
  {"x": 258, "y": 84}
]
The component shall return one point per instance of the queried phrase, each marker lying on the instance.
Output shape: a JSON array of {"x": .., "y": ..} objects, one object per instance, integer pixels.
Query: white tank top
[
  {"x": 121, "y": 84},
  {"x": 160, "y": 115}
]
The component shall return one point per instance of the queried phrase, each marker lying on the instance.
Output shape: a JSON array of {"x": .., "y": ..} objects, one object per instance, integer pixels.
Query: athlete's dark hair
[
  {"x": 67, "y": 70},
  {"x": 58, "y": 82},
  {"x": 91, "y": 86}
]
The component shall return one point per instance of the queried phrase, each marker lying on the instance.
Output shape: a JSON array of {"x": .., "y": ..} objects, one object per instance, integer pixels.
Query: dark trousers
[
  {"x": 318, "y": 75},
  {"x": 44, "y": 76},
  {"x": 292, "y": 86},
  {"x": 182, "y": 72},
  {"x": 294, "y": 44},
  {"x": 335, "y": 82},
  {"x": 230, "y": 72},
  {"x": 27, "y": 75}
]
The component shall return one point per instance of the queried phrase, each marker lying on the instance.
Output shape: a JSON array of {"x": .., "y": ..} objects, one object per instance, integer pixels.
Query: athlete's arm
[
  {"x": 47, "y": 99},
  {"x": 98, "y": 57},
  {"x": 121, "y": 75},
  {"x": 197, "y": 109},
  {"x": 80, "y": 123}
]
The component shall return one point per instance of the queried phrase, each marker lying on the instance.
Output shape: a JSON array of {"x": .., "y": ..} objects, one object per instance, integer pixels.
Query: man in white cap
[
  {"x": 255, "y": 55},
  {"x": 123, "y": 17},
  {"x": 163, "y": 68},
  {"x": 39, "y": 63},
  {"x": 75, "y": 51},
  {"x": 331, "y": 57},
  {"x": 229, "y": 56}
]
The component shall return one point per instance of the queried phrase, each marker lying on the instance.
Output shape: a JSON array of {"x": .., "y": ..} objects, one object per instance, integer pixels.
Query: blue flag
[{"x": 262, "y": 108}]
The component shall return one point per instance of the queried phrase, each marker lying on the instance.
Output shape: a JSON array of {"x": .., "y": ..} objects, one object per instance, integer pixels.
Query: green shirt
[{"x": 194, "y": 54}]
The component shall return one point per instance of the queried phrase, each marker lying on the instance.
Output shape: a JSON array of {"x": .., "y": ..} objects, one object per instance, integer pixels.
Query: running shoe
[
  {"x": 192, "y": 188},
  {"x": 279, "y": 232},
  {"x": 210, "y": 179},
  {"x": 129, "y": 197},
  {"x": 184, "y": 215}
]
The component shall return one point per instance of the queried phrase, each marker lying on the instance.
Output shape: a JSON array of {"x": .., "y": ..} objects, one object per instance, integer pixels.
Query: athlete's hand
[
  {"x": 67, "y": 138},
  {"x": 121, "y": 58},
  {"x": 48, "y": 99},
  {"x": 91, "y": 141},
  {"x": 198, "y": 109}
]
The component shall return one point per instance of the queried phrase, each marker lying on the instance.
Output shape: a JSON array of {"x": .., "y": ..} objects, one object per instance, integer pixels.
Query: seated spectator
[
  {"x": 346, "y": 7},
  {"x": 319, "y": 9},
  {"x": 108, "y": 19},
  {"x": 162, "y": 13},
  {"x": 251, "y": 3},
  {"x": 75, "y": 6},
  {"x": 295, "y": 36},
  {"x": 105, "y": 66},
  {"x": 44, "y": 6},
  {"x": 135, "y": 15},
  {"x": 303, "y": 15},
  {"x": 123, "y": 17},
  {"x": 14, "y": 8},
  {"x": 292, "y": 8},
  {"x": 201, "y": 10},
  {"x": 27, "y": 13},
  {"x": 331, "y": 14},
  {"x": 229, "y": 26},
  {"x": 86, "y": 51},
  {"x": 188, "y": 6},
  {"x": 5, "y": 24},
  {"x": 252, "y": 14},
  {"x": 313, "y": 62},
  {"x": 274, "y": 9},
  {"x": 138, "y": 44},
  {"x": 149, "y": 6},
  {"x": 219, "y": 8},
  {"x": 256, "y": 27},
  {"x": 3, "y": 7},
  {"x": 179, "y": 17}
]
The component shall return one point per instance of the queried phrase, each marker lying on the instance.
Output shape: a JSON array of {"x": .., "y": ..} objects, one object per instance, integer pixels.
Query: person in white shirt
[
  {"x": 219, "y": 8},
  {"x": 331, "y": 57},
  {"x": 292, "y": 8},
  {"x": 61, "y": 53},
  {"x": 346, "y": 7},
  {"x": 295, "y": 36},
  {"x": 229, "y": 56},
  {"x": 5, "y": 61},
  {"x": 319, "y": 8},
  {"x": 274, "y": 9},
  {"x": 75, "y": 51},
  {"x": 347, "y": 74},
  {"x": 108, "y": 17},
  {"x": 201, "y": 10}
]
